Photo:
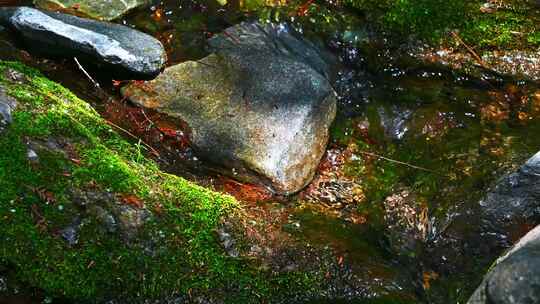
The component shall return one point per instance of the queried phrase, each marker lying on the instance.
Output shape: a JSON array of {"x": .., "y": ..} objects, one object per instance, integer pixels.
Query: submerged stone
[
  {"x": 96, "y": 9},
  {"x": 515, "y": 277},
  {"x": 124, "y": 51},
  {"x": 259, "y": 106},
  {"x": 514, "y": 201}
]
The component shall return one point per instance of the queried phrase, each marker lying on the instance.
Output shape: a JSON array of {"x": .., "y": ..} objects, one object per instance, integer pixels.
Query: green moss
[
  {"x": 513, "y": 26},
  {"x": 185, "y": 255}
]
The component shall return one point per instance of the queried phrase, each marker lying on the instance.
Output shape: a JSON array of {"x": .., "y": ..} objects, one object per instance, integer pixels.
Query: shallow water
[{"x": 440, "y": 136}]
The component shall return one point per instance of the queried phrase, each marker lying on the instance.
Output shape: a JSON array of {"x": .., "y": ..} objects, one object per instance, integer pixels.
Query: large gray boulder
[
  {"x": 515, "y": 277},
  {"x": 259, "y": 106},
  {"x": 95, "y": 9},
  {"x": 124, "y": 51}
]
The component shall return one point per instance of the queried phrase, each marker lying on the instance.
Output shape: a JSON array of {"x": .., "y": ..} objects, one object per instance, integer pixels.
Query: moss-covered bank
[
  {"x": 176, "y": 252},
  {"x": 509, "y": 24}
]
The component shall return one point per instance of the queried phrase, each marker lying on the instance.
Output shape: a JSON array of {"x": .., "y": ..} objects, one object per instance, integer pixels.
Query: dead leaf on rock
[
  {"x": 429, "y": 276},
  {"x": 132, "y": 200}
]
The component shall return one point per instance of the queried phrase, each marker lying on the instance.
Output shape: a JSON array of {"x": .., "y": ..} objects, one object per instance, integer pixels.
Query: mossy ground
[
  {"x": 36, "y": 203},
  {"x": 511, "y": 24}
]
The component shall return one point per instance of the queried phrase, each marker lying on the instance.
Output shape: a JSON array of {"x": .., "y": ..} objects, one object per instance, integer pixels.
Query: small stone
[
  {"x": 15, "y": 76},
  {"x": 3, "y": 285},
  {"x": 233, "y": 252},
  {"x": 228, "y": 243},
  {"x": 32, "y": 156},
  {"x": 105, "y": 218},
  {"x": 290, "y": 267},
  {"x": 71, "y": 232},
  {"x": 130, "y": 220},
  {"x": 5, "y": 115},
  {"x": 7, "y": 105}
]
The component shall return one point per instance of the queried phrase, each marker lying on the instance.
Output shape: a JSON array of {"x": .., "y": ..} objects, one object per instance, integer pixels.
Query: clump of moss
[
  {"x": 512, "y": 25},
  {"x": 176, "y": 253}
]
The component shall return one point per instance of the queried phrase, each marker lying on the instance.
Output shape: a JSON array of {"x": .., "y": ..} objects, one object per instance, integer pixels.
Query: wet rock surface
[
  {"x": 7, "y": 104},
  {"x": 127, "y": 53},
  {"x": 514, "y": 63},
  {"x": 474, "y": 235},
  {"x": 260, "y": 105},
  {"x": 515, "y": 277},
  {"x": 514, "y": 201},
  {"x": 407, "y": 220},
  {"x": 114, "y": 213},
  {"x": 96, "y": 9}
]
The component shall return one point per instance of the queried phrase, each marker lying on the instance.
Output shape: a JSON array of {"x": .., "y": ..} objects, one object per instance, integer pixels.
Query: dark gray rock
[
  {"x": 259, "y": 107},
  {"x": 7, "y": 104},
  {"x": 3, "y": 284},
  {"x": 104, "y": 217},
  {"x": 71, "y": 233},
  {"x": 112, "y": 213},
  {"x": 515, "y": 277},
  {"x": 515, "y": 200},
  {"x": 5, "y": 114},
  {"x": 124, "y": 51},
  {"x": 394, "y": 121},
  {"x": 130, "y": 220}
]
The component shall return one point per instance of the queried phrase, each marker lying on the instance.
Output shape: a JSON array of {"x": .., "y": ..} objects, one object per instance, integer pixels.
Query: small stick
[
  {"x": 133, "y": 136},
  {"x": 147, "y": 119},
  {"x": 152, "y": 124},
  {"x": 400, "y": 162},
  {"x": 470, "y": 49},
  {"x": 206, "y": 64},
  {"x": 232, "y": 37},
  {"x": 95, "y": 83}
]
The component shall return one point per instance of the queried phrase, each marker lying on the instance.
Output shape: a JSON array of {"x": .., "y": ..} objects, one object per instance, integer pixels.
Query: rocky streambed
[{"x": 356, "y": 173}]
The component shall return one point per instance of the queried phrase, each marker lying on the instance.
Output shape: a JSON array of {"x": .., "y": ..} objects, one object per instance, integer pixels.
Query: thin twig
[
  {"x": 232, "y": 37},
  {"x": 95, "y": 83},
  {"x": 152, "y": 123},
  {"x": 470, "y": 49},
  {"x": 133, "y": 136},
  {"x": 401, "y": 163},
  {"x": 206, "y": 64}
]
